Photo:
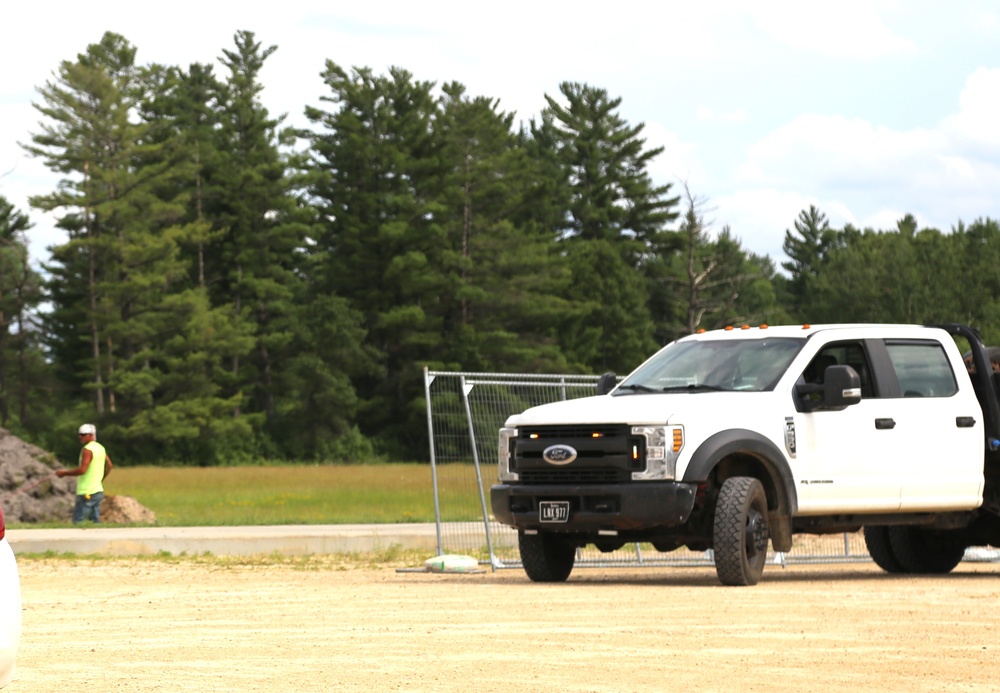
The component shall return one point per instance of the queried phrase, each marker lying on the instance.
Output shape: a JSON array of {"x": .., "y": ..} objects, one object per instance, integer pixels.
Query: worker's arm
[
  {"x": 82, "y": 469},
  {"x": 107, "y": 466}
]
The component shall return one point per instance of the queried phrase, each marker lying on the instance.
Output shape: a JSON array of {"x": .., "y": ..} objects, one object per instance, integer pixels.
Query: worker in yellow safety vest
[{"x": 94, "y": 467}]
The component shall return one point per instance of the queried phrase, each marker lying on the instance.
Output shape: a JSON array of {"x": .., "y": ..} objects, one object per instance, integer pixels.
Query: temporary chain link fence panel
[{"x": 465, "y": 412}]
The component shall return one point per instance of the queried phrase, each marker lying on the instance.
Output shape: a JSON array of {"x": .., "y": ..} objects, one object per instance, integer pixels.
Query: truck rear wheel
[
  {"x": 920, "y": 550},
  {"x": 740, "y": 534},
  {"x": 545, "y": 557},
  {"x": 880, "y": 549}
]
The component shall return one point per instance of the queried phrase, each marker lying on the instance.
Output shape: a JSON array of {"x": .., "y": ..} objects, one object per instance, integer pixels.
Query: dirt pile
[
  {"x": 125, "y": 510},
  {"x": 31, "y": 492},
  {"x": 29, "y": 488}
]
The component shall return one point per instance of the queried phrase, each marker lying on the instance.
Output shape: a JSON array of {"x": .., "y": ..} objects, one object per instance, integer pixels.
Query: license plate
[{"x": 553, "y": 511}]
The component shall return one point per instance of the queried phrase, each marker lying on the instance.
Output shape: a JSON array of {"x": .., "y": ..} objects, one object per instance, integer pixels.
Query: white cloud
[
  {"x": 678, "y": 163},
  {"x": 22, "y": 175},
  {"x": 886, "y": 219},
  {"x": 706, "y": 114},
  {"x": 821, "y": 151},
  {"x": 759, "y": 217},
  {"x": 882, "y": 173},
  {"x": 847, "y": 29},
  {"x": 974, "y": 128},
  {"x": 986, "y": 23},
  {"x": 665, "y": 59}
]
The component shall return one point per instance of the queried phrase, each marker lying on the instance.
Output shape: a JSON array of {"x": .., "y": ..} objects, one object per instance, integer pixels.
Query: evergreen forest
[{"x": 233, "y": 289}]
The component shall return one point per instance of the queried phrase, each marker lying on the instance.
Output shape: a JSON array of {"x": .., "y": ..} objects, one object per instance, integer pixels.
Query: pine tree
[
  {"x": 806, "y": 249},
  {"x": 611, "y": 203},
  {"x": 121, "y": 252},
  {"x": 253, "y": 258},
  {"x": 502, "y": 267},
  {"x": 20, "y": 294},
  {"x": 606, "y": 166},
  {"x": 184, "y": 107},
  {"x": 122, "y": 277},
  {"x": 382, "y": 240}
]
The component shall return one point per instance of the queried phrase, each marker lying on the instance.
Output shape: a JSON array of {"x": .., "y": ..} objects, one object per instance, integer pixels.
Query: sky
[{"x": 869, "y": 110}]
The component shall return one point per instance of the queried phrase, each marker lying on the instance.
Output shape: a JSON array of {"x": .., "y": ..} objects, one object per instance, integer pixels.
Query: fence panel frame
[{"x": 460, "y": 536}]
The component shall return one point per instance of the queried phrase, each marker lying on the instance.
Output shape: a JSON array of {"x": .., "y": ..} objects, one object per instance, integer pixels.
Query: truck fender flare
[{"x": 746, "y": 442}]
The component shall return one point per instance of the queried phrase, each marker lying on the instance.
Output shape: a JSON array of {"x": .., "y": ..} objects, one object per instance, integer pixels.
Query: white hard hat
[{"x": 88, "y": 429}]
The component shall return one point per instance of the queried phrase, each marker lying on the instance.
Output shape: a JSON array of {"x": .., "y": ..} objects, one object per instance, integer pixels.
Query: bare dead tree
[{"x": 708, "y": 285}]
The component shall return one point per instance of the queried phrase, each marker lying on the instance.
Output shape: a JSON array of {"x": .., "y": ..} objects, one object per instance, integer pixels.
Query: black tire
[
  {"x": 880, "y": 549},
  {"x": 920, "y": 550},
  {"x": 546, "y": 558},
  {"x": 740, "y": 534}
]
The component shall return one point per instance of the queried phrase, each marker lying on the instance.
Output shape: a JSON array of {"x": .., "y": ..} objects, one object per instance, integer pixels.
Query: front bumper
[{"x": 619, "y": 507}]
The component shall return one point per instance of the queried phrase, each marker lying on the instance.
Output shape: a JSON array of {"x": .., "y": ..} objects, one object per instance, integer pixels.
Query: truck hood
[{"x": 639, "y": 408}]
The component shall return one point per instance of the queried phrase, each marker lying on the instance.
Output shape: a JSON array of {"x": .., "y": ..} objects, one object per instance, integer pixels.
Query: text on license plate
[{"x": 553, "y": 511}]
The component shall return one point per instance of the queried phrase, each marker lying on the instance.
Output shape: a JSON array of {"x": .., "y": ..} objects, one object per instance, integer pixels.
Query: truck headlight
[
  {"x": 663, "y": 444},
  {"x": 507, "y": 435}
]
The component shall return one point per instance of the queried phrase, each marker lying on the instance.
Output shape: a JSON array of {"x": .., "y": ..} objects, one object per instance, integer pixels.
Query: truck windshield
[{"x": 747, "y": 365}]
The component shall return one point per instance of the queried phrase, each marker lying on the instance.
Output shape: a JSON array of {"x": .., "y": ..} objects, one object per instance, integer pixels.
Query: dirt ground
[{"x": 203, "y": 625}]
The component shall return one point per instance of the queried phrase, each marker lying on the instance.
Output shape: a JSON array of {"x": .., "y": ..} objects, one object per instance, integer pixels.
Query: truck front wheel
[
  {"x": 740, "y": 534},
  {"x": 545, "y": 557}
]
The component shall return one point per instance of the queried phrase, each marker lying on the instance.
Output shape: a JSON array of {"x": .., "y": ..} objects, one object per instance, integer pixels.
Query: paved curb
[{"x": 286, "y": 540}]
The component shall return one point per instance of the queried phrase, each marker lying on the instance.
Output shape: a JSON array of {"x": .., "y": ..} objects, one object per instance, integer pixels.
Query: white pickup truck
[
  {"x": 729, "y": 439},
  {"x": 10, "y": 608}
]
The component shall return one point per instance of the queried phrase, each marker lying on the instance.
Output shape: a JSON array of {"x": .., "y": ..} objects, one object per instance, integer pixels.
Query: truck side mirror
[
  {"x": 841, "y": 388},
  {"x": 606, "y": 383}
]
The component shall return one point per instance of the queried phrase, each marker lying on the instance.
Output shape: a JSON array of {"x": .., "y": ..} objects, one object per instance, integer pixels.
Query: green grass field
[{"x": 328, "y": 494}]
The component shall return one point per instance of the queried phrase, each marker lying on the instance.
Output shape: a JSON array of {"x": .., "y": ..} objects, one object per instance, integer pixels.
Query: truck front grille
[
  {"x": 605, "y": 454},
  {"x": 574, "y": 476}
]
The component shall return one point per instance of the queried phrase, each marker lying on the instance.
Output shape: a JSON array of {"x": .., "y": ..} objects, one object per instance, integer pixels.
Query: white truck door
[
  {"x": 941, "y": 430},
  {"x": 846, "y": 462},
  {"x": 849, "y": 460}
]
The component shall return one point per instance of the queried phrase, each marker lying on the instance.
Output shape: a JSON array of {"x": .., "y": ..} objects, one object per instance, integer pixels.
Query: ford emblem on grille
[{"x": 559, "y": 454}]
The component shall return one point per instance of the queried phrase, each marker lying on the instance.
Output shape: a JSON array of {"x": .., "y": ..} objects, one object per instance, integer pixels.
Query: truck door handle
[
  {"x": 884, "y": 424},
  {"x": 965, "y": 421}
]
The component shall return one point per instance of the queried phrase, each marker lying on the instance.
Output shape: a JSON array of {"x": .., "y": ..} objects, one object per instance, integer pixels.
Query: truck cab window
[
  {"x": 922, "y": 369},
  {"x": 845, "y": 353}
]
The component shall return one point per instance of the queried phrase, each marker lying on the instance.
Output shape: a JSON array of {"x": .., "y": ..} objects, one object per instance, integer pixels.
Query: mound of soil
[
  {"x": 29, "y": 488},
  {"x": 125, "y": 510},
  {"x": 31, "y": 492}
]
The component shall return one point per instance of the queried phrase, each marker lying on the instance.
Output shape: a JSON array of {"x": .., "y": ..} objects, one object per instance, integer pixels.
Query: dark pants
[{"x": 88, "y": 507}]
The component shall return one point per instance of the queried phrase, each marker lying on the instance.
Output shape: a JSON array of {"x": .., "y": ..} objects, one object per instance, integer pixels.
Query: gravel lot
[{"x": 325, "y": 624}]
